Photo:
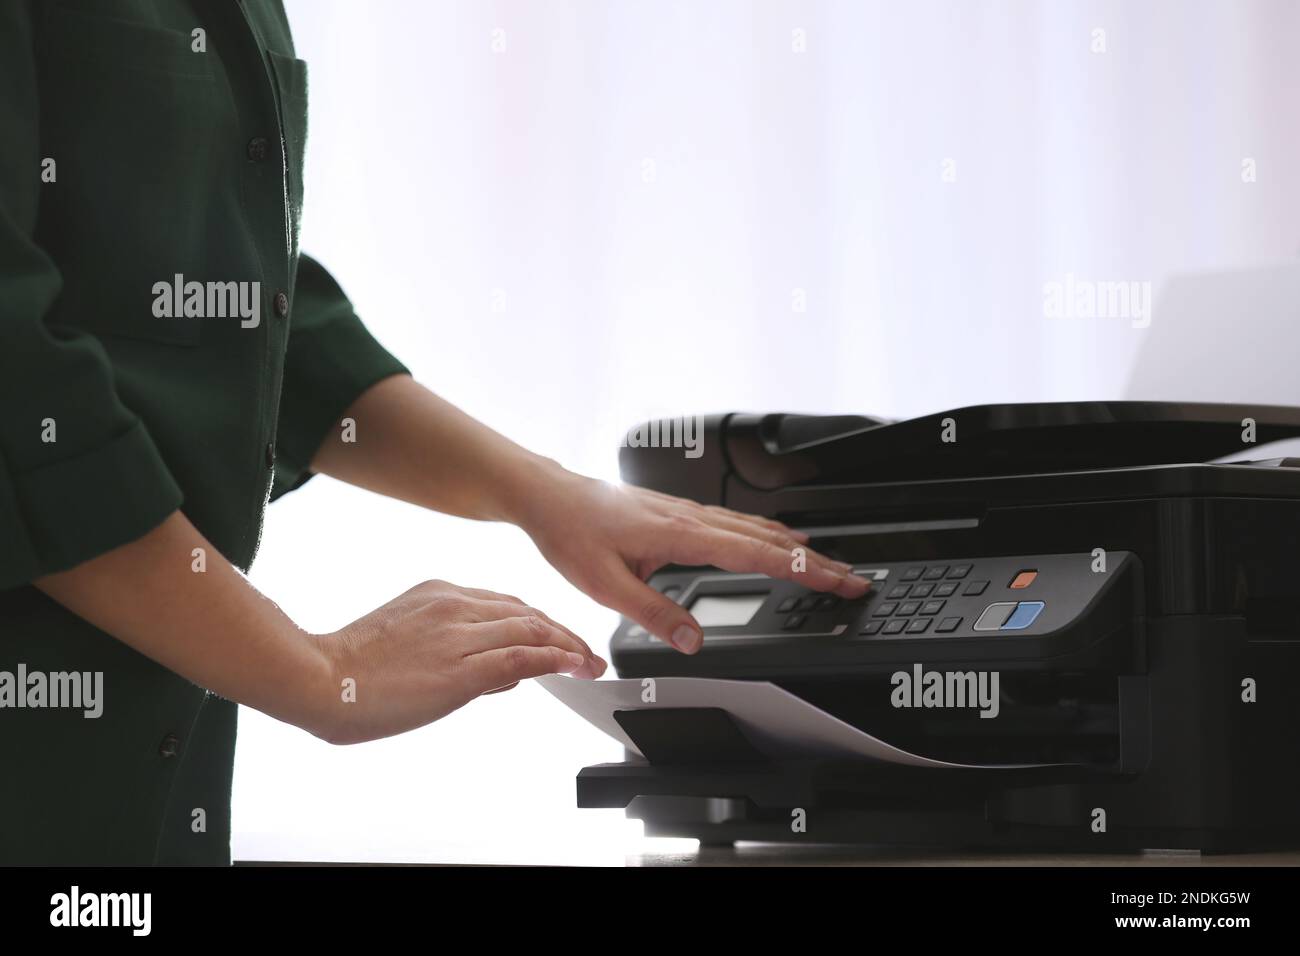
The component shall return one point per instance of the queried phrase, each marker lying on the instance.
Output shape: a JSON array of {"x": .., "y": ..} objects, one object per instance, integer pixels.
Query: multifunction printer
[{"x": 1137, "y": 600}]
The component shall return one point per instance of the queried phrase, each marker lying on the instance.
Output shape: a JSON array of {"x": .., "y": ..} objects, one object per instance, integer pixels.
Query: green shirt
[{"x": 138, "y": 156}]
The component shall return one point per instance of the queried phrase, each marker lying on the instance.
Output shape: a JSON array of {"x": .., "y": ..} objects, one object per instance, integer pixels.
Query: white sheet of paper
[{"x": 776, "y": 721}]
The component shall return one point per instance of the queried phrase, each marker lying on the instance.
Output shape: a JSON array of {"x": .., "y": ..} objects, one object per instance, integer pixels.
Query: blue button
[{"x": 1025, "y": 614}]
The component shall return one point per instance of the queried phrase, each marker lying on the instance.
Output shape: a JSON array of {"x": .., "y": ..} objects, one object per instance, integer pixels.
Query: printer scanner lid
[{"x": 780, "y": 450}]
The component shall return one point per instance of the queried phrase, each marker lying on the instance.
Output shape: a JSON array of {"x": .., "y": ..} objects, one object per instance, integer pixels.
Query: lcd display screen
[{"x": 726, "y": 610}]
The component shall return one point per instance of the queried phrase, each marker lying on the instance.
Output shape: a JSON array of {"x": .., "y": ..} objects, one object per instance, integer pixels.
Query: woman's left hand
[{"x": 607, "y": 540}]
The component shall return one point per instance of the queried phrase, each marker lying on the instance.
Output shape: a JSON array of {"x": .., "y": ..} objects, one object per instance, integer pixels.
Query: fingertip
[
  {"x": 686, "y": 639},
  {"x": 576, "y": 661},
  {"x": 854, "y": 586},
  {"x": 592, "y": 668}
]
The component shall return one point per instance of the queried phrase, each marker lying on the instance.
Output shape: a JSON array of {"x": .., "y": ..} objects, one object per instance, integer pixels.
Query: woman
[{"x": 168, "y": 362}]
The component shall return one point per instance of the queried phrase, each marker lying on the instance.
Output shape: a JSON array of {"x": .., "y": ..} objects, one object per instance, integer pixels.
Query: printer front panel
[{"x": 1028, "y": 608}]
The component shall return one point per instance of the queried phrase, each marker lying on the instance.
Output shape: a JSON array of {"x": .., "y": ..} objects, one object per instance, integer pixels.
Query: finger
[
  {"x": 495, "y": 610},
  {"x": 770, "y": 523},
  {"x": 663, "y": 617},
  {"x": 517, "y": 606},
  {"x": 500, "y": 666},
  {"x": 501, "y": 690},
  {"x": 783, "y": 533},
  {"x": 722, "y": 518},
  {"x": 531, "y": 630},
  {"x": 744, "y": 554}
]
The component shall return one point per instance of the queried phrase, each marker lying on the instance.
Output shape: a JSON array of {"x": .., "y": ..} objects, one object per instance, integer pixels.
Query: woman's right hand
[{"x": 433, "y": 650}]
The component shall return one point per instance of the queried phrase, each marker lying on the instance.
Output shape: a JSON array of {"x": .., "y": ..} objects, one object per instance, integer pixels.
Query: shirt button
[
  {"x": 281, "y": 304},
  {"x": 270, "y": 454},
  {"x": 258, "y": 147},
  {"x": 170, "y": 746}
]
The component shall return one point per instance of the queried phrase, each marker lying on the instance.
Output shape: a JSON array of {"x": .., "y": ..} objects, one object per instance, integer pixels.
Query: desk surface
[{"x": 762, "y": 854}]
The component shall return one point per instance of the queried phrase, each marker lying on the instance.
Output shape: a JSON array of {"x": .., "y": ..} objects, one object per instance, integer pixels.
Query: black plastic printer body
[{"x": 1139, "y": 603}]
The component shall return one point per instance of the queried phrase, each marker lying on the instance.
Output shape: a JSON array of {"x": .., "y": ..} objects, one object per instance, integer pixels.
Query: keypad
[{"x": 916, "y": 604}]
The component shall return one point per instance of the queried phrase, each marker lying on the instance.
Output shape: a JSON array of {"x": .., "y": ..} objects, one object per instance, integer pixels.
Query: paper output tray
[
  {"x": 702, "y": 752},
  {"x": 845, "y": 803}
]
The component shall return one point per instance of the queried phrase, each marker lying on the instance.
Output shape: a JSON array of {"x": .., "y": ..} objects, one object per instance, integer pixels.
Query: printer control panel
[{"x": 958, "y": 599}]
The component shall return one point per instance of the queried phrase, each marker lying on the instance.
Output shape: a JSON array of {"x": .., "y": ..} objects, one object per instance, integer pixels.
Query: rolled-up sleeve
[
  {"x": 330, "y": 361},
  {"x": 79, "y": 473}
]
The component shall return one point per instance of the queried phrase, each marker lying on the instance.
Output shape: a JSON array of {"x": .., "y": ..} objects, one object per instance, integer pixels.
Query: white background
[{"x": 608, "y": 220}]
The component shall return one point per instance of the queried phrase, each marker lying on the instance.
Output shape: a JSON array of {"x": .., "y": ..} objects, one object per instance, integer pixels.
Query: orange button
[{"x": 1023, "y": 579}]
